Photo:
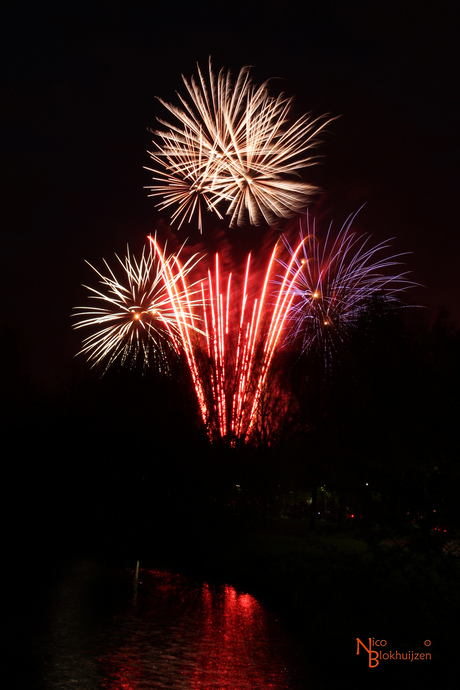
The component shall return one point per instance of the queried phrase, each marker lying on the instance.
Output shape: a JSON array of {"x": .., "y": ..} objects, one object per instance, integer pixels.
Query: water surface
[{"x": 147, "y": 628}]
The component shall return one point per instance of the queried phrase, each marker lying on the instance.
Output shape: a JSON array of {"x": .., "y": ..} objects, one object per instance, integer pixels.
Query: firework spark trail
[
  {"x": 134, "y": 314},
  {"x": 239, "y": 358},
  {"x": 232, "y": 144},
  {"x": 285, "y": 297},
  {"x": 335, "y": 284}
]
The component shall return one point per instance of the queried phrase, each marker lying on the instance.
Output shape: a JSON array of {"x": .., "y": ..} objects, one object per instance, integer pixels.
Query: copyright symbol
[{"x": 427, "y": 643}]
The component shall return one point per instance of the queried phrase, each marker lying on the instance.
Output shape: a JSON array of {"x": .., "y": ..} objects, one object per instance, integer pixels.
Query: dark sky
[{"x": 78, "y": 86}]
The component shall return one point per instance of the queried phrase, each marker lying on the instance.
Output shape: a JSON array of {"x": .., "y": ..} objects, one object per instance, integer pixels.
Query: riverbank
[
  {"x": 330, "y": 588},
  {"x": 334, "y": 588}
]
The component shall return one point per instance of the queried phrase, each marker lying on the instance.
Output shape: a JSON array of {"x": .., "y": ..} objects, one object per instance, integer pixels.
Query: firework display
[
  {"x": 233, "y": 151},
  {"x": 336, "y": 279},
  {"x": 232, "y": 147},
  {"x": 135, "y": 317}
]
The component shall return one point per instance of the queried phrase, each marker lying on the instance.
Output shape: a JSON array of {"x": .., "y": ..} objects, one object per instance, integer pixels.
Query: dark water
[{"x": 137, "y": 630}]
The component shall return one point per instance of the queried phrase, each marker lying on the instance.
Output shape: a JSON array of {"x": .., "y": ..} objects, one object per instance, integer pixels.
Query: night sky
[{"x": 79, "y": 86}]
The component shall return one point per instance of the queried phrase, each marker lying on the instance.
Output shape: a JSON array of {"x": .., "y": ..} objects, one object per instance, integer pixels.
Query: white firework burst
[
  {"x": 232, "y": 147},
  {"x": 134, "y": 314}
]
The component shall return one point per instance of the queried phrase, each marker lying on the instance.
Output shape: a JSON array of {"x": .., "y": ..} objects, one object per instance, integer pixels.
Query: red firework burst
[{"x": 230, "y": 361}]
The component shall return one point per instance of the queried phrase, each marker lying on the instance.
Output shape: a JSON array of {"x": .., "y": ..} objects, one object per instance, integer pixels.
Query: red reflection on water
[
  {"x": 228, "y": 649},
  {"x": 220, "y": 640},
  {"x": 121, "y": 673}
]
